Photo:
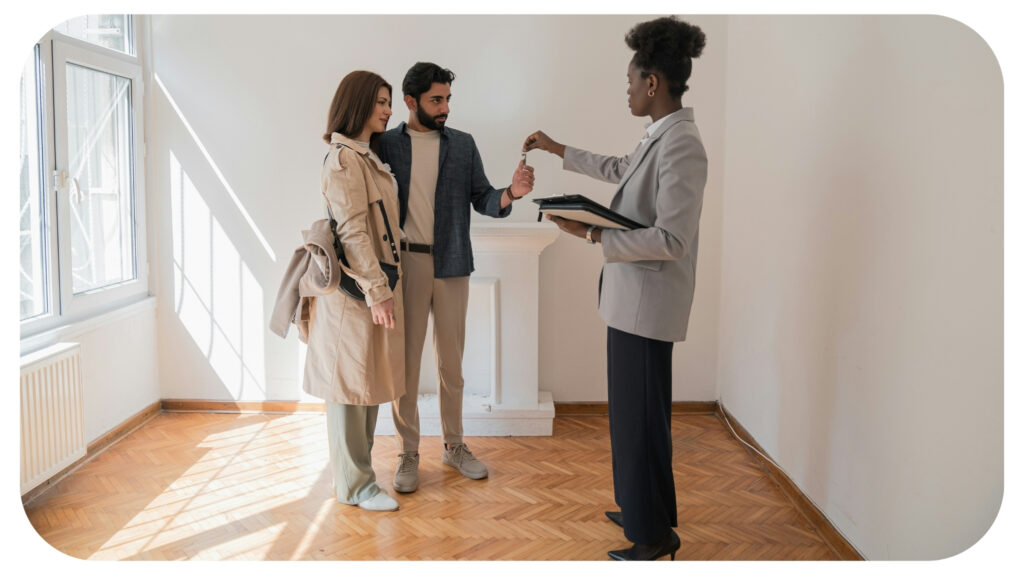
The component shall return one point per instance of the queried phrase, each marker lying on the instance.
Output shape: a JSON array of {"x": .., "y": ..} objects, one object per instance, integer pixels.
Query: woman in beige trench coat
[{"x": 356, "y": 356}]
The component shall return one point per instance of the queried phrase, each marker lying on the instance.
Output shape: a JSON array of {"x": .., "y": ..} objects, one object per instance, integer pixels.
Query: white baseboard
[{"x": 480, "y": 418}]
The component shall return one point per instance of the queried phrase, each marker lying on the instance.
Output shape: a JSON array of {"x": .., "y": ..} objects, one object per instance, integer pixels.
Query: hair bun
[
  {"x": 693, "y": 40},
  {"x": 666, "y": 45}
]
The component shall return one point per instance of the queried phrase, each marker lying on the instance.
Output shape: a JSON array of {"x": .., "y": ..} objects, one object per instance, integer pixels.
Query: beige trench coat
[{"x": 349, "y": 359}]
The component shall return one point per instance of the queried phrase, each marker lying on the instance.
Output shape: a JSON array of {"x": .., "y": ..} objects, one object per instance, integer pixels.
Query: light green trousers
[{"x": 350, "y": 439}]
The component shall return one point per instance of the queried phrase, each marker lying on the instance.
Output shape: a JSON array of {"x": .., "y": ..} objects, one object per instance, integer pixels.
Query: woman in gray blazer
[{"x": 646, "y": 287}]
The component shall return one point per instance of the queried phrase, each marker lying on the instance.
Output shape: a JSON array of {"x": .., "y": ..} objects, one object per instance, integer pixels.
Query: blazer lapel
[
  {"x": 683, "y": 114},
  {"x": 635, "y": 162},
  {"x": 443, "y": 152}
]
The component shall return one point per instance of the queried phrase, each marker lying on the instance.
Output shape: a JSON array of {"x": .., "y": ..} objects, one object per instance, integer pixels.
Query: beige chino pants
[{"x": 448, "y": 300}]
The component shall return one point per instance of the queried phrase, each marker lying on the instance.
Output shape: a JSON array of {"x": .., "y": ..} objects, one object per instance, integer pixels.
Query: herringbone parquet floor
[{"x": 257, "y": 486}]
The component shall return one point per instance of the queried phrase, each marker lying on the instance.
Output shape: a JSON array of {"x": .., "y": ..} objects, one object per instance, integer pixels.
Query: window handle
[
  {"x": 63, "y": 181},
  {"x": 77, "y": 190}
]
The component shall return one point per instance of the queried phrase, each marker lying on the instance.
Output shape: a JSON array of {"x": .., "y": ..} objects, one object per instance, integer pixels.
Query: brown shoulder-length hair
[{"x": 353, "y": 103}]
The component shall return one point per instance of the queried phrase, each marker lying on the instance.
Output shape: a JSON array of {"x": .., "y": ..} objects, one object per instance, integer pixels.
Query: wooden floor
[{"x": 248, "y": 486}]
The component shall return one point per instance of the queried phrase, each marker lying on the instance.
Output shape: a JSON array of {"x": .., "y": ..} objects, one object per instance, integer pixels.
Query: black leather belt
[{"x": 417, "y": 248}]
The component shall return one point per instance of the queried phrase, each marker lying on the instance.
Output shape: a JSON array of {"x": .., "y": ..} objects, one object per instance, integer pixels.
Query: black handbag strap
[{"x": 338, "y": 250}]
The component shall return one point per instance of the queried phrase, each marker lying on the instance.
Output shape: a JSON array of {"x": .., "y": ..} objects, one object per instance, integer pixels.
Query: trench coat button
[{"x": 385, "y": 237}]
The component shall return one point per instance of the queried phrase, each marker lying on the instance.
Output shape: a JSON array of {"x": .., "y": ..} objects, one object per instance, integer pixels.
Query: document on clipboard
[{"x": 583, "y": 209}]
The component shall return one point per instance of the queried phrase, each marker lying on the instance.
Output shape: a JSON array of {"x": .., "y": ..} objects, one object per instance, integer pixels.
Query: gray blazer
[{"x": 649, "y": 273}]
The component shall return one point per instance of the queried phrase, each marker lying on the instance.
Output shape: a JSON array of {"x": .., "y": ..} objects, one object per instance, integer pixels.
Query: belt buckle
[{"x": 416, "y": 248}]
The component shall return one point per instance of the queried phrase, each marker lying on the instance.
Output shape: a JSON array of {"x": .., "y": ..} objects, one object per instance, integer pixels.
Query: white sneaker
[{"x": 379, "y": 502}]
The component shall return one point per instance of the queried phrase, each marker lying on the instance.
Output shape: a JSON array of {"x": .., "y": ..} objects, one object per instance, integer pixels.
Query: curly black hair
[
  {"x": 666, "y": 46},
  {"x": 422, "y": 75}
]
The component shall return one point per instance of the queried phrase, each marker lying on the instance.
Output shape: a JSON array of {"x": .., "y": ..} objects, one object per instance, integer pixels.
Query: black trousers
[{"x": 640, "y": 422}]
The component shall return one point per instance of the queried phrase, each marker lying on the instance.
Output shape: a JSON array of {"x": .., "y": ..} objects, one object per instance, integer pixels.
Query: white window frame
[
  {"x": 48, "y": 235},
  {"x": 64, "y": 307}
]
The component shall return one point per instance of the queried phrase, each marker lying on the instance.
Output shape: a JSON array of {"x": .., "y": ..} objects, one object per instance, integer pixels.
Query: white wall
[
  {"x": 118, "y": 364},
  {"x": 119, "y": 371},
  {"x": 255, "y": 93},
  {"x": 861, "y": 327}
]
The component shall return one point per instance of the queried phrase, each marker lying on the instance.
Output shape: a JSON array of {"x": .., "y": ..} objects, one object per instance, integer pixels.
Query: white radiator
[{"x": 52, "y": 413}]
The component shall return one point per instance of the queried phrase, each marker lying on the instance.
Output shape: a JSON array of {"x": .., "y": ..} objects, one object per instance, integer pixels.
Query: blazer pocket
[{"x": 653, "y": 265}]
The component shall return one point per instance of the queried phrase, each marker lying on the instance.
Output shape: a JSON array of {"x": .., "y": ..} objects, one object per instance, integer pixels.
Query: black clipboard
[{"x": 583, "y": 209}]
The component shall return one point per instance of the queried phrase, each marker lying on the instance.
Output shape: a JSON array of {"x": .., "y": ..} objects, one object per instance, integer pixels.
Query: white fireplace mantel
[
  {"x": 530, "y": 239},
  {"x": 500, "y": 364}
]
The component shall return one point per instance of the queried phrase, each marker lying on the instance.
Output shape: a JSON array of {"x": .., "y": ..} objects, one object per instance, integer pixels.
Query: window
[
  {"x": 82, "y": 198},
  {"x": 32, "y": 250},
  {"x": 112, "y": 31},
  {"x": 100, "y": 154}
]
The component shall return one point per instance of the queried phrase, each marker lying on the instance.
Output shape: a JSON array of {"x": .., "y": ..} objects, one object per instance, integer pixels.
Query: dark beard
[{"x": 428, "y": 122}]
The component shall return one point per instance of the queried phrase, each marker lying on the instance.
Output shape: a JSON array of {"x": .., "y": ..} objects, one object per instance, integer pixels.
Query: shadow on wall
[{"x": 217, "y": 298}]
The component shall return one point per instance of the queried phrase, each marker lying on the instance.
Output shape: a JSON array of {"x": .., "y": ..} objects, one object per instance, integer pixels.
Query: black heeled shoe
[
  {"x": 645, "y": 552},
  {"x": 615, "y": 516}
]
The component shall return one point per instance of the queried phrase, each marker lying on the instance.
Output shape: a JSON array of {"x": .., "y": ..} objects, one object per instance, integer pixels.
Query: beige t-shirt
[{"x": 419, "y": 218}]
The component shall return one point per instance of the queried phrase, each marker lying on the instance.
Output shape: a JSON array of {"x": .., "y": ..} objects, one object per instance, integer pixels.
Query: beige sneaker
[
  {"x": 407, "y": 474},
  {"x": 457, "y": 455}
]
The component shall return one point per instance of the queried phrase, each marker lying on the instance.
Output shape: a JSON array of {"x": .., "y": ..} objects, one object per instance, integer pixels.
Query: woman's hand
[
  {"x": 540, "y": 140},
  {"x": 384, "y": 313},
  {"x": 575, "y": 228}
]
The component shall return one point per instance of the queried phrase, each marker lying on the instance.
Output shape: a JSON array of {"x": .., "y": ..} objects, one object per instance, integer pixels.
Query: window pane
[
  {"x": 32, "y": 260},
  {"x": 100, "y": 183},
  {"x": 107, "y": 30}
]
